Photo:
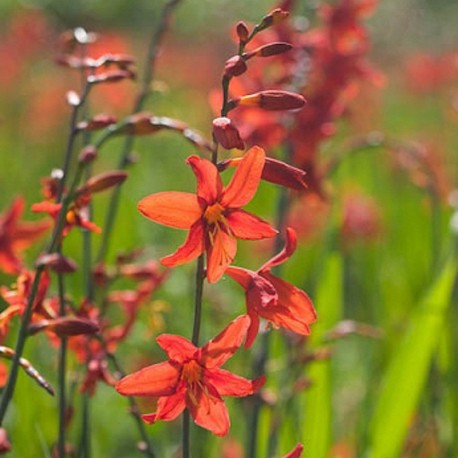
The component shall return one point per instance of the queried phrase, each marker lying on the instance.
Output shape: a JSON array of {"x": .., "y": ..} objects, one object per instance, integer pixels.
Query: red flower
[
  {"x": 192, "y": 379},
  {"x": 16, "y": 236},
  {"x": 272, "y": 298},
  {"x": 296, "y": 452},
  {"x": 214, "y": 216}
]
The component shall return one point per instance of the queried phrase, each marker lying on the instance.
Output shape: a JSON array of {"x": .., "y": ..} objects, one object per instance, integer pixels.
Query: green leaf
[
  {"x": 407, "y": 372},
  {"x": 317, "y": 424}
]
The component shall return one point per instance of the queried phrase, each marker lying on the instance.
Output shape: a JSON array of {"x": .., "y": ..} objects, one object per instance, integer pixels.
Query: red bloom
[
  {"x": 214, "y": 216},
  {"x": 15, "y": 236},
  {"x": 192, "y": 379},
  {"x": 272, "y": 298},
  {"x": 296, "y": 452}
]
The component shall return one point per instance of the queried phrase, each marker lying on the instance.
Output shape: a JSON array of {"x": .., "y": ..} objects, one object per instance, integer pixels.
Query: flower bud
[
  {"x": 87, "y": 154},
  {"x": 111, "y": 76},
  {"x": 65, "y": 326},
  {"x": 273, "y": 18},
  {"x": 57, "y": 262},
  {"x": 272, "y": 49},
  {"x": 226, "y": 134},
  {"x": 235, "y": 66},
  {"x": 5, "y": 445},
  {"x": 97, "y": 122},
  {"x": 103, "y": 181},
  {"x": 242, "y": 32},
  {"x": 270, "y": 100},
  {"x": 73, "y": 99}
]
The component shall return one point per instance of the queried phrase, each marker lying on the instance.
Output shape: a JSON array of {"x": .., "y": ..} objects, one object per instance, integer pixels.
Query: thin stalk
[
  {"x": 62, "y": 366},
  {"x": 200, "y": 276},
  {"x": 148, "y": 74},
  {"x": 85, "y": 451}
]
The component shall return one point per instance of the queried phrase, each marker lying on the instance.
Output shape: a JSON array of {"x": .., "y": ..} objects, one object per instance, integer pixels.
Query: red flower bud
[
  {"x": 235, "y": 66},
  {"x": 272, "y": 49},
  {"x": 226, "y": 134},
  {"x": 270, "y": 100},
  {"x": 111, "y": 76},
  {"x": 87, "y": 154},
  {"x": 273, "y": 18},
  {"x": 66, "y": 326},
  {"x": 5, "y": 445},
  {"x": 242, "y": 32},
  {"x": 103, "y": 181},
  {"x": 57, "y": 262},
  {"x": 97, "y": 122}
]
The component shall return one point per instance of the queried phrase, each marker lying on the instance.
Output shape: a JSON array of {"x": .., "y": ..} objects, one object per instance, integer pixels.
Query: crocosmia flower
[
  {"x": 213, "y": 215},
  {"x": 192, "y": 379},
  {"x": 277, "y": 301}
]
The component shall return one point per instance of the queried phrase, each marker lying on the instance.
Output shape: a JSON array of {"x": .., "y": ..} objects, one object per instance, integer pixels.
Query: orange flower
[
  {"x": 214, "y": 216},
  {"x": 192, "y": 378},
  {"x": 15, "y": 236},
  {"x": 272, "y": 298}
]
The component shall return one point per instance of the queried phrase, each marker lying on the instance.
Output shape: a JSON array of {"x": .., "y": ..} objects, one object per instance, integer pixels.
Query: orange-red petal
[
  {"x": 229, "y": 384},
  {"x": 210, "y": 412},
  {"x": 156, "y": 380},
  {"x": 191, "y": 248},
  {"x": 168, "y": 407},
  {"x": 296, "y": 452},
  {"x": 174, "y": 209},
  {"x": 209, "y": 184},
  {"x": 253, "y": 329},
  {"x": 220, "y": 253},
  {"x": 177, "y": 348},
  {"x": 218, "y": 350},
  {"x": 247, "y": 226},
  {"x": 245, "y": 181},
  {"x": 285, "y": 253}
]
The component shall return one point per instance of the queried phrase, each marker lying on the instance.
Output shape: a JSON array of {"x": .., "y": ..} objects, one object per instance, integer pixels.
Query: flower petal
[
  {"x": 253, "y": 330},
  {"x": 156, "y": 380},
  {"x": 177, "y": 348},
  {"x": 245, "y": 181},
  {"x": 191, "y": 248},
  {"x": 247, "y": 226},
  {"x": 229, "y": 384},
  {"x": 285, "y": 253},
  {"x": 168, "y": 407},
  {"x": 296, "y": 452},
  {"x": 174, "y": 209},
  {"x": 218, "y": 350},
  {"x": 209, "y": 184},
  {"x": 220, "y": 253},
  {"x": 242, "y": 276},
  {"x": 209, "y": 411}
]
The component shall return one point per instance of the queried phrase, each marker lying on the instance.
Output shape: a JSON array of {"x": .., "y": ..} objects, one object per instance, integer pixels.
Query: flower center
[
  {"x": 192, "y": 372},
  {"x": 214, "y": 213}
]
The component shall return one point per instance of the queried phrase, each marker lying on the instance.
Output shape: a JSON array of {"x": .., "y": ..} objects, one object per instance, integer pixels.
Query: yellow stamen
[
  {"x": 214, "y": 213},
  {"x": 192, "y": 372}
]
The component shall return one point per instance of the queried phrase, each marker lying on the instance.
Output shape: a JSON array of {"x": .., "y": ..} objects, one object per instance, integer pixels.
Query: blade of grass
[
  {"x": 318, "y": 399},
  {"x": 407, "y": 371}
]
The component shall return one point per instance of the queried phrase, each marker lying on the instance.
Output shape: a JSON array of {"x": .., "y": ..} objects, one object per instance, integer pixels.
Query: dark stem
[
  {"x": 143, "y": 94},
  {"x": 62, "y": 366},
  {"x": 85, "y": 451},
  {"x": 200, "y": 276}
]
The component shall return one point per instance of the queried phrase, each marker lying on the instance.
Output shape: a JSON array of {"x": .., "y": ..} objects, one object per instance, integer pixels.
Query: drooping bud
[
  {"x": 272, "y": 49},
  {"x": 234, "y": 66},
  {"x": 66, "y": 326},
  {"x": 5, "y": 445},
  {"x": 226, "y": 134},
  {"x": 273, "y": 18},
  {"x": 274, "y": 171},
  {"x": 57, "y": 262},
  {"x": 242, "y": 32},
  {"x": 99, "y": 121},
  {"x": 140, "y": 124},
  {"x": 103, "y": 181},
  {"x": 87, "y": 154},
  {"x": 111, "y": 76},
  {"x": 270, "y": 100}
]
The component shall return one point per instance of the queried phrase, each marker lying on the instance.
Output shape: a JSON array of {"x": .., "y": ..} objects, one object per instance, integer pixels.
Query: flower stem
[{"x": 200, "y": 276}]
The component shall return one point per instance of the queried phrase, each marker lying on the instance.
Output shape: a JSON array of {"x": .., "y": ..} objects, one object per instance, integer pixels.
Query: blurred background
[{"x": 388, "y": 215}]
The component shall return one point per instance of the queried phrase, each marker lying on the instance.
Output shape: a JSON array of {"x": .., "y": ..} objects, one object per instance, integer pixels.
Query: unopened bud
[
  {"x": 73, "y": 99},
  {"x": 271, "y": 49},
  {"x": 226, "y": 134},
  {"x": 87, "y": 154},
  {"x": 235, "y": 66},
  {"x": 57, "y": 262},
  {"x": 103, "y": 181},
  {"x": 273, "y": 18},
  {"x": 140, "y": 124},
  {"x": 242, "y": 32},
  {"x": 270, "y": 100},
  {"x": 5, "y": 445},
  {"x": 97, "y": 122},
  {"x": 66, "y": 326},
  {"x": 111, "y": 76}
]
